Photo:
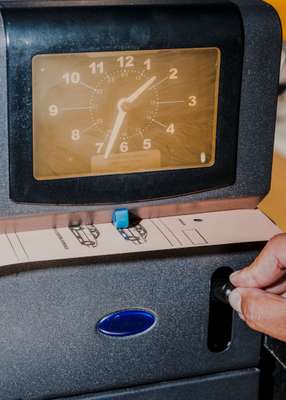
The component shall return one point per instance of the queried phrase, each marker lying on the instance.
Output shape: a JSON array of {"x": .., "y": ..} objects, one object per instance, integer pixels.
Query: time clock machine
[{"x": 160, "y": 107}]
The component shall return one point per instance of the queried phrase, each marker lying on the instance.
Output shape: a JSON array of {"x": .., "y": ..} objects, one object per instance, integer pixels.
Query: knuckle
[
  {"x": 278, "y": 250},
  {"x": 263, "y": 315},
  {"x": 251, "y": 312},
  {"x": 277, "y": 241},
  {"x": 279, "y": 236},
  {"x": 256, "y": 280},
  {"x": 252, "y": 277}
]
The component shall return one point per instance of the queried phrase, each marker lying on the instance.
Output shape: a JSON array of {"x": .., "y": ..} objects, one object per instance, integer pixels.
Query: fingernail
[
  {"x": 233, "y": 276},
  {"x": 235, "y": 301}
]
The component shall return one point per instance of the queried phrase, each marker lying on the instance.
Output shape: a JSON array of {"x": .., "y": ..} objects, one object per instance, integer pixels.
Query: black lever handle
[
  {"x": 222, "y": 289},
  {"x": 220, "y": 312}
]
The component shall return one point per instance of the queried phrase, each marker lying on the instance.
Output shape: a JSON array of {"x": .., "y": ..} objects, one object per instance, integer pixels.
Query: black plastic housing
[{"x": 31, "y": 32}]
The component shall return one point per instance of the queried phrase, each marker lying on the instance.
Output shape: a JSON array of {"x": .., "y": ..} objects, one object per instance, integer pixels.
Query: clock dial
[{"x": 124, "y": 112}]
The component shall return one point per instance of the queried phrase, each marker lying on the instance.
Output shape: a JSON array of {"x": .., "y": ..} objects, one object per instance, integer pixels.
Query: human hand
[{"x": 260, "y": 297}]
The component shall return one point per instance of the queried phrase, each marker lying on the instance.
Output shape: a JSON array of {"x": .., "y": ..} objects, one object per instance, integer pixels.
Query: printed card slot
[{"x": 195, "y": 237}]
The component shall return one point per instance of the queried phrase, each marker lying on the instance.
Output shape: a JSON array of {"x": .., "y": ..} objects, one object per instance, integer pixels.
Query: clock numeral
[
  {"x": 53, "y": 110},
  {"x": 73, "y": 77},
  {"x": 147, "y": 64},
  {"x": 75, "y": 135},
  {"x": 99, "y": 147},
  {"x": 96, "y": 68},
  {"x": 193, "y": 101},
  {"x": 124, "y": 147},
  {"x": 171, "y": 129},
  {"x": 126, "y": 62},
  {"x": 173, "y": 73},
  {"x": 147, "y": 144}
]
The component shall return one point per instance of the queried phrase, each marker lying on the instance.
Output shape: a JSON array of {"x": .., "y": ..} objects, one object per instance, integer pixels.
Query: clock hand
[
  {"x": 122, "y": 114},
  {"x": 116, "y": 128},
  {"x": 141, "y": 90}
]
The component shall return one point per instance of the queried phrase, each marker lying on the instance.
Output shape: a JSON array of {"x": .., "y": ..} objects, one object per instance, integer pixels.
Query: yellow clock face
[{"x": 124, "y": 112}]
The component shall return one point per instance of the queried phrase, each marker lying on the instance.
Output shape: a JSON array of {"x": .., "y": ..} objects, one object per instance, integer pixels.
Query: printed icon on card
[
  {"x": 136, "y": 234},
  {"x": 87, "y": 235}
]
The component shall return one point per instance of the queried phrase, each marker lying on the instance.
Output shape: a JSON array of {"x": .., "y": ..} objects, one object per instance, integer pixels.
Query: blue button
[
  {"x": 126, "y": 323},
  {"x": 120, "y": 218}
]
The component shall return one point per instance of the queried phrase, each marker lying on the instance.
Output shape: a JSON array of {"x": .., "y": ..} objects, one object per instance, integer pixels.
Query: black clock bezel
[{"x": 32, "y": 32}]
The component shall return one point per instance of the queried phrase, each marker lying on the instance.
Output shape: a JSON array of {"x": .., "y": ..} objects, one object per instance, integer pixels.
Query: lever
[
  {"x": 220, "y": 312},
  {"x": 222, "y": 289}
]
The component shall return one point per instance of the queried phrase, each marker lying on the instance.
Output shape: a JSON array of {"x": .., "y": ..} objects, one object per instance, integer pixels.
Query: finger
[
  {"x": 268, "y": 268},
  {"x": 278, "y": 288},
  {"x": 263, "y": 312}
]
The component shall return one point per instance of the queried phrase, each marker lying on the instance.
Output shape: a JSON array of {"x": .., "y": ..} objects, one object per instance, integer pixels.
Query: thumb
[
  {"x": 263, "y": 312},
  {"x": 268, "y": 268}
]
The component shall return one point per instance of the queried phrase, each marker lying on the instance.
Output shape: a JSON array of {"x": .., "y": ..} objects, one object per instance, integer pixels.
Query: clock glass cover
[{"x": 124, "y": 112}]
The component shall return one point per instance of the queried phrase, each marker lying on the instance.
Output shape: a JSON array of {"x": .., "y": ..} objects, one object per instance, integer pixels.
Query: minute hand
[
  {"x": 115, "y": 131},
  {"x": 141, "y": 90},
  {"x": 122, "y": 114}
]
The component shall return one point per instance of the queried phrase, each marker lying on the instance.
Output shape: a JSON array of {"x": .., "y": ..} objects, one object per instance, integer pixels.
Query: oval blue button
[{"x": 126, "y": 323}]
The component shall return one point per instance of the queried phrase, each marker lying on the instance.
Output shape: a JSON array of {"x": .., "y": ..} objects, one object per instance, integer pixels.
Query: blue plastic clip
[{"x": 120, "y": 218}]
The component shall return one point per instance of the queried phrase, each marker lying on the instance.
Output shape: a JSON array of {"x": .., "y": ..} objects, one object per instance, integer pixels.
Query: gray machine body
[
  {"x": 48, "y": 340},
  {"x": 235, "y": 385},
  {"x": 49, "y": 345}
]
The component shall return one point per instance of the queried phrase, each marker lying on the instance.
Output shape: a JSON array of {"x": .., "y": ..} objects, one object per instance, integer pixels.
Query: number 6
[{"x": 124, "y": 147}]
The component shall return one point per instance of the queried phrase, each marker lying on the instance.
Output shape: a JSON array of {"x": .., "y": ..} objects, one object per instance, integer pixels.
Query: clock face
[{"x": 124, "y": 112}]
